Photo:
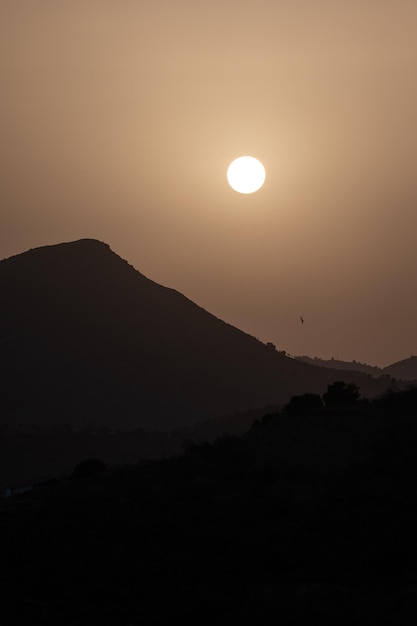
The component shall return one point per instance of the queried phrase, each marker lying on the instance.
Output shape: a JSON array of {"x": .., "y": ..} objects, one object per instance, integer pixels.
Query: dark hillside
[
  {"x": 224, "y": 534},
  {"x": 336, "y": 364},
  {"x": 85, "y": 338},
  {"x": 405, "y": 370},
  {"x": 402, "y": 370}
]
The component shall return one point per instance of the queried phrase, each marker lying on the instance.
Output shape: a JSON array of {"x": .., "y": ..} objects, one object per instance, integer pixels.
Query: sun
[{"x": 246, "y": 174}]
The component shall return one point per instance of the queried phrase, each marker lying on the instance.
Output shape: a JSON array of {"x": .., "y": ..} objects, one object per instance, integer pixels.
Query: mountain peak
[
  {"x": 58, "y": 253},
  {"x": 76, "y": 246},
  {"x": 95, "y": 340},
  {"x": 85, "y": 243}
]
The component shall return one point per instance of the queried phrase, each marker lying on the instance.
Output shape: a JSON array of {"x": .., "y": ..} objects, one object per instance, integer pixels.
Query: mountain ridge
[
  {"x": 85, "y": 337},
  {"x": 406, "y": 369}
]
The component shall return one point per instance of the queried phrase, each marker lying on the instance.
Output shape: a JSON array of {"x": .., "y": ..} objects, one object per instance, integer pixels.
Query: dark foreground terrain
[{"x": 309, "y": 517}]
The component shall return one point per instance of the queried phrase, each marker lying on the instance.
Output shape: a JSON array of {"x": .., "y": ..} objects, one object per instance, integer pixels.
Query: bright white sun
[{"x": 246, "y": 174}]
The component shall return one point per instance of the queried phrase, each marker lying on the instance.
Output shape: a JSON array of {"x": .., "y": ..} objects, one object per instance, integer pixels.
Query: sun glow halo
[{"x": 246, "y": 174}]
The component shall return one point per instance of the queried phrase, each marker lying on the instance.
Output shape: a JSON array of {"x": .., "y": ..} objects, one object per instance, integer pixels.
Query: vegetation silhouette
[
  {"x": 88, "y": 467},
  {"x": 304, "y": 404},
  {"x": 306, "y": 517},
  {"x": 340, "y": 393}
]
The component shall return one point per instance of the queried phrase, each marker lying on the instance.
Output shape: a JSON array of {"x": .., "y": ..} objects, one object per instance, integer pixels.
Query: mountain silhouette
[
  {"x": 86, "y": 338},
  {"x": 404, "y": 370},
  {"x": 337, "y": 364}
]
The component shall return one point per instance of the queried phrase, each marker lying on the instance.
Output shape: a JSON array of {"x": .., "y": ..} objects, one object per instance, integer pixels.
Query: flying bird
[{"x": 302, "y": 319}]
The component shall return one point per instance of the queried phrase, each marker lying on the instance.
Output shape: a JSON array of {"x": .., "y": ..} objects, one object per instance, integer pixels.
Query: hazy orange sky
[{"x": 118, "y": 121}]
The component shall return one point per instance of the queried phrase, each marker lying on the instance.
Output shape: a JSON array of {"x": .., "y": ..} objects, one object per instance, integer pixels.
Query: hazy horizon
[{"x": 119, "y": 120}]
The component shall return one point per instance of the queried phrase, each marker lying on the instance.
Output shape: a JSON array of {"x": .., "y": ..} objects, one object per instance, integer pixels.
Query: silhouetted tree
[
  {"x": 340, "y": 393},
  {"x": 89, "y": 467},
  {"x": 304, "y": 404}
]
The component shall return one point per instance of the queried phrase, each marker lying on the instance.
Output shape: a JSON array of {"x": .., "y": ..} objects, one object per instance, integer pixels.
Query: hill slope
[
  {"x": 308, "y": 518},
  {"x": 336, "y": 364},
  {"x": 403, "y": 370},
  {"x": 84, "y": 337}
]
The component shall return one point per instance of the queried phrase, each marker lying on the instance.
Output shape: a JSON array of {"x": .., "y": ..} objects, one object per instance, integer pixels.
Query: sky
[{"x": 118, "y": 120}]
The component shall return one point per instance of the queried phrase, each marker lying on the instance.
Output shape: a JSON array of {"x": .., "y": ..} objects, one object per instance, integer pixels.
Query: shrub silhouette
[
  {"x": 304, "y": 405},
  {"x": 340, "y": 393},
  {"x": 89, "y": 467}
]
